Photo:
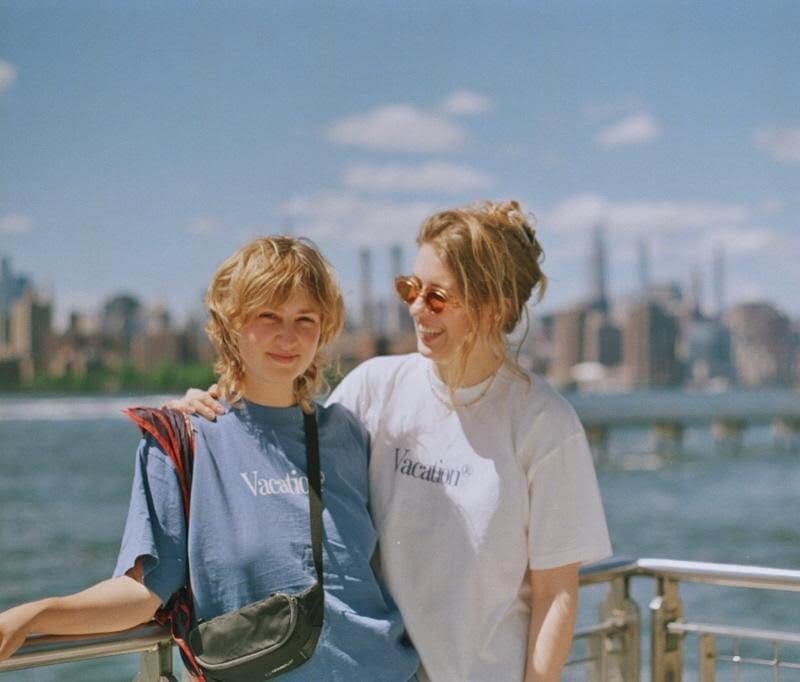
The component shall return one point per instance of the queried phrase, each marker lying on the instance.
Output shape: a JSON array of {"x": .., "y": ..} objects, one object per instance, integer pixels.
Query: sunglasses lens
[
  {"x": 406, "y": 289},
  {"x": 436, "y": 301}
]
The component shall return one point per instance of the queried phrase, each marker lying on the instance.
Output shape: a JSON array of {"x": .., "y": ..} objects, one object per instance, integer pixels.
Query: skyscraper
[
  {"x": 31, "y": 333},
  {"x": 719, "y": 280},
  {"x": 643, "y": 256},
  {"x": 598, "y": 271},
  {"x": 649, "y": 346},
  {"x": 568, "y": 337},
  {"x": 121, "y": 319},
  {"x": 399, "y": 320},
  {"x": 367, "y": 306},
  {"x": 761, "y": 341}
]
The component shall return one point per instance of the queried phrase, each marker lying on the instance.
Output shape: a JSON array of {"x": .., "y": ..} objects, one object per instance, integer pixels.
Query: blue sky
[{"x": 143, "y": 142}]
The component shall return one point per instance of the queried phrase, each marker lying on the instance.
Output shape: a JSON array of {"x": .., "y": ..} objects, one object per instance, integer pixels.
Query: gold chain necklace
[{"x": 449, "y": 403}]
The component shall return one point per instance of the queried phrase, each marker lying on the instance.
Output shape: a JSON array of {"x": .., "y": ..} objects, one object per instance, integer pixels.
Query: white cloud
[
  {"x": 631, "y": 130},
  {"x": 398, "y": 128},
  {"x": 204, "y": 224},
  {"x": 582, "y": 212},
  {"x": 466, "y": 103},
  {"x": 15, "y": 223},
  {"x": 432, "y": 177},
  {"x": 353, "y": 219},
  {"x": 782, "y": 143},
  {"x": 742, "y": 241},
  {"x": 8, "y": 74}
]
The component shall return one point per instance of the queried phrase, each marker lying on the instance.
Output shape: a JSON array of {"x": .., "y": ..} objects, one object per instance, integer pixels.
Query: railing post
[
  {"x": 619, "y": 658},
  {"x": 155, "y": 665},
  {"x": 707, "y": 658},
  {"x": 728, "y": 435},
  {"x": 597, "y": 435},
  {"x": 667, "y": 648},
  {"x": 667, "y": 437}
]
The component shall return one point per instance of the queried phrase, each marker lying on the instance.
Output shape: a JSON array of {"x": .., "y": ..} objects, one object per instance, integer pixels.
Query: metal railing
[
  {"x": 151, "y": 641},
  {"x": 607, "y": 651},
  {"x": 614, "y": 653}
]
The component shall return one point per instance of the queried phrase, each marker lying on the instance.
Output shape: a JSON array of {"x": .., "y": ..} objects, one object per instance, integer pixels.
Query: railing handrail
[
  {"x": 48, "y": 649},
  {"x": 727, "y": 575},
  {"x": 734, "y": 632}
]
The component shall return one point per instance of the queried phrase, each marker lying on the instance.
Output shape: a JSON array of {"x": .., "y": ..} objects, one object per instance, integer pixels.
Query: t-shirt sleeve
[
  {"x": 350, "y": 393},
  {"x": 155, "y": 528},
  {"x": 567, "y": 523}
]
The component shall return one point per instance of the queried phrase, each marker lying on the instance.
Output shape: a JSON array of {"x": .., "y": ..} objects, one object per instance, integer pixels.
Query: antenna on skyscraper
[
  {"x": 696, "y": 290},
  {"x": 597, "y": 270},
  {"x": 397, "y": 311},
  {"x": 718, "y": 264},
  {"x": 644, "y": 265},
  {"x": 365, "y": 258}
]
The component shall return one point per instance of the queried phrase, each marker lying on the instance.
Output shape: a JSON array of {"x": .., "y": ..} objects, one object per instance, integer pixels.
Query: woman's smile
[{"x": 283, "y": 358}]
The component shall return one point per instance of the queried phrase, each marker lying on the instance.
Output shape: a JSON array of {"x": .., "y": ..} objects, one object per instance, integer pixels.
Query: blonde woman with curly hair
[
  {"x": 481, "y": 480},
  {"x": 274, "y": 306}
]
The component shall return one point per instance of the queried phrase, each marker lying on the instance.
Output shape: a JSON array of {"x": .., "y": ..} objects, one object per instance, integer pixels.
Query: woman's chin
[
  {"x": 432, "y": 352},
  {"x": 423, "y": 348}
]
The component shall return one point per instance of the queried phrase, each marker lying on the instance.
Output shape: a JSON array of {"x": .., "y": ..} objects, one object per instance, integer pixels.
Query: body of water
[{"x": 65, "y": 475}]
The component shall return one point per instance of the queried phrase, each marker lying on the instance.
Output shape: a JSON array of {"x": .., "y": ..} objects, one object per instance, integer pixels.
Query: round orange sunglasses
[{"x": 409, "y": 289}]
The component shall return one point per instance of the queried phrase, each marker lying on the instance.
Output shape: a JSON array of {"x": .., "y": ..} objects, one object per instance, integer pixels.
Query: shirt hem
[{"x": 580, "y": 555}]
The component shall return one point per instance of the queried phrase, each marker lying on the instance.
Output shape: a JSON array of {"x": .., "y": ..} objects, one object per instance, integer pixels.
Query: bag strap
[{"x": 314, "y": 489}]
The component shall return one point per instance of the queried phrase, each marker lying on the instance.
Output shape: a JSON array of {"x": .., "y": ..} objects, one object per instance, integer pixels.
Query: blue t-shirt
[{"x": 249, "y": 533}]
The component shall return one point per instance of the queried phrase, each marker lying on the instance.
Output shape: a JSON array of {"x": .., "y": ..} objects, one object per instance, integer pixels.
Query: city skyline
[
  {"x": 364, "y": 303},
  {"x": 662, "y": 337},
  {"x": 144, "y": 144}
]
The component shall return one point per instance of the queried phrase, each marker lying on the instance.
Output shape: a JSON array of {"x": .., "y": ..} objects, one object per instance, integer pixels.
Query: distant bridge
[{"x": 667, "y": 413}]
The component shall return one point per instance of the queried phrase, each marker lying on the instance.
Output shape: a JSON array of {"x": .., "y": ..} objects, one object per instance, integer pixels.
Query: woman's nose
[
  {"x": 417, "y": 306},
  {"x": 288, "y": 332}
]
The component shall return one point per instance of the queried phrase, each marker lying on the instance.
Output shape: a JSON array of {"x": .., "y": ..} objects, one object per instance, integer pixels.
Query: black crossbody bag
[{"x": 261, "y": 640}]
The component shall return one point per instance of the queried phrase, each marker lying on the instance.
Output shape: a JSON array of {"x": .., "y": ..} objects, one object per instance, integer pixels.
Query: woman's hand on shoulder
[{"x": 198, "y": 401}]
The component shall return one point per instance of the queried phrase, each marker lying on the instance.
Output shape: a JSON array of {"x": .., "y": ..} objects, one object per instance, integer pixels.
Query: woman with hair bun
[{"x": 482, "y": 484}]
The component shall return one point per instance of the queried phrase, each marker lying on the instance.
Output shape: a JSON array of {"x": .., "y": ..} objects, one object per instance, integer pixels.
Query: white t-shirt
[{"x": 467, "y": 500}]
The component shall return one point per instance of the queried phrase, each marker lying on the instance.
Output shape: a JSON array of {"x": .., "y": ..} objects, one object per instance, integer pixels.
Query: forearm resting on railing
[{"x": 109, "y": 606}]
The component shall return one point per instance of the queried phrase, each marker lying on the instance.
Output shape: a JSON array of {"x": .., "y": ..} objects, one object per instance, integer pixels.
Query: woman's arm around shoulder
[{"x": 108, "y": 606}]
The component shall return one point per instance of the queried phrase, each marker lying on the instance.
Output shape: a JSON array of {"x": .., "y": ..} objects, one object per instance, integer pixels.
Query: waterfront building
[
  {"x": 12, "y": 287},
  {"x": 537, "y": 349},
  {"x": 198, "y": 347},
  {"x": 568, "y": 335},
  {"x": 30, "y": 337},
  {"x": 602, "y": 340},
  {"x": 705, "y": 352},
  {"x": 158, "y": 344},
  {"x": 121, "y": 319},
  {"x": 78, "y": 350},
  {"x": 650, "y": 337},
  {"x": 761, "y": 345}
]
